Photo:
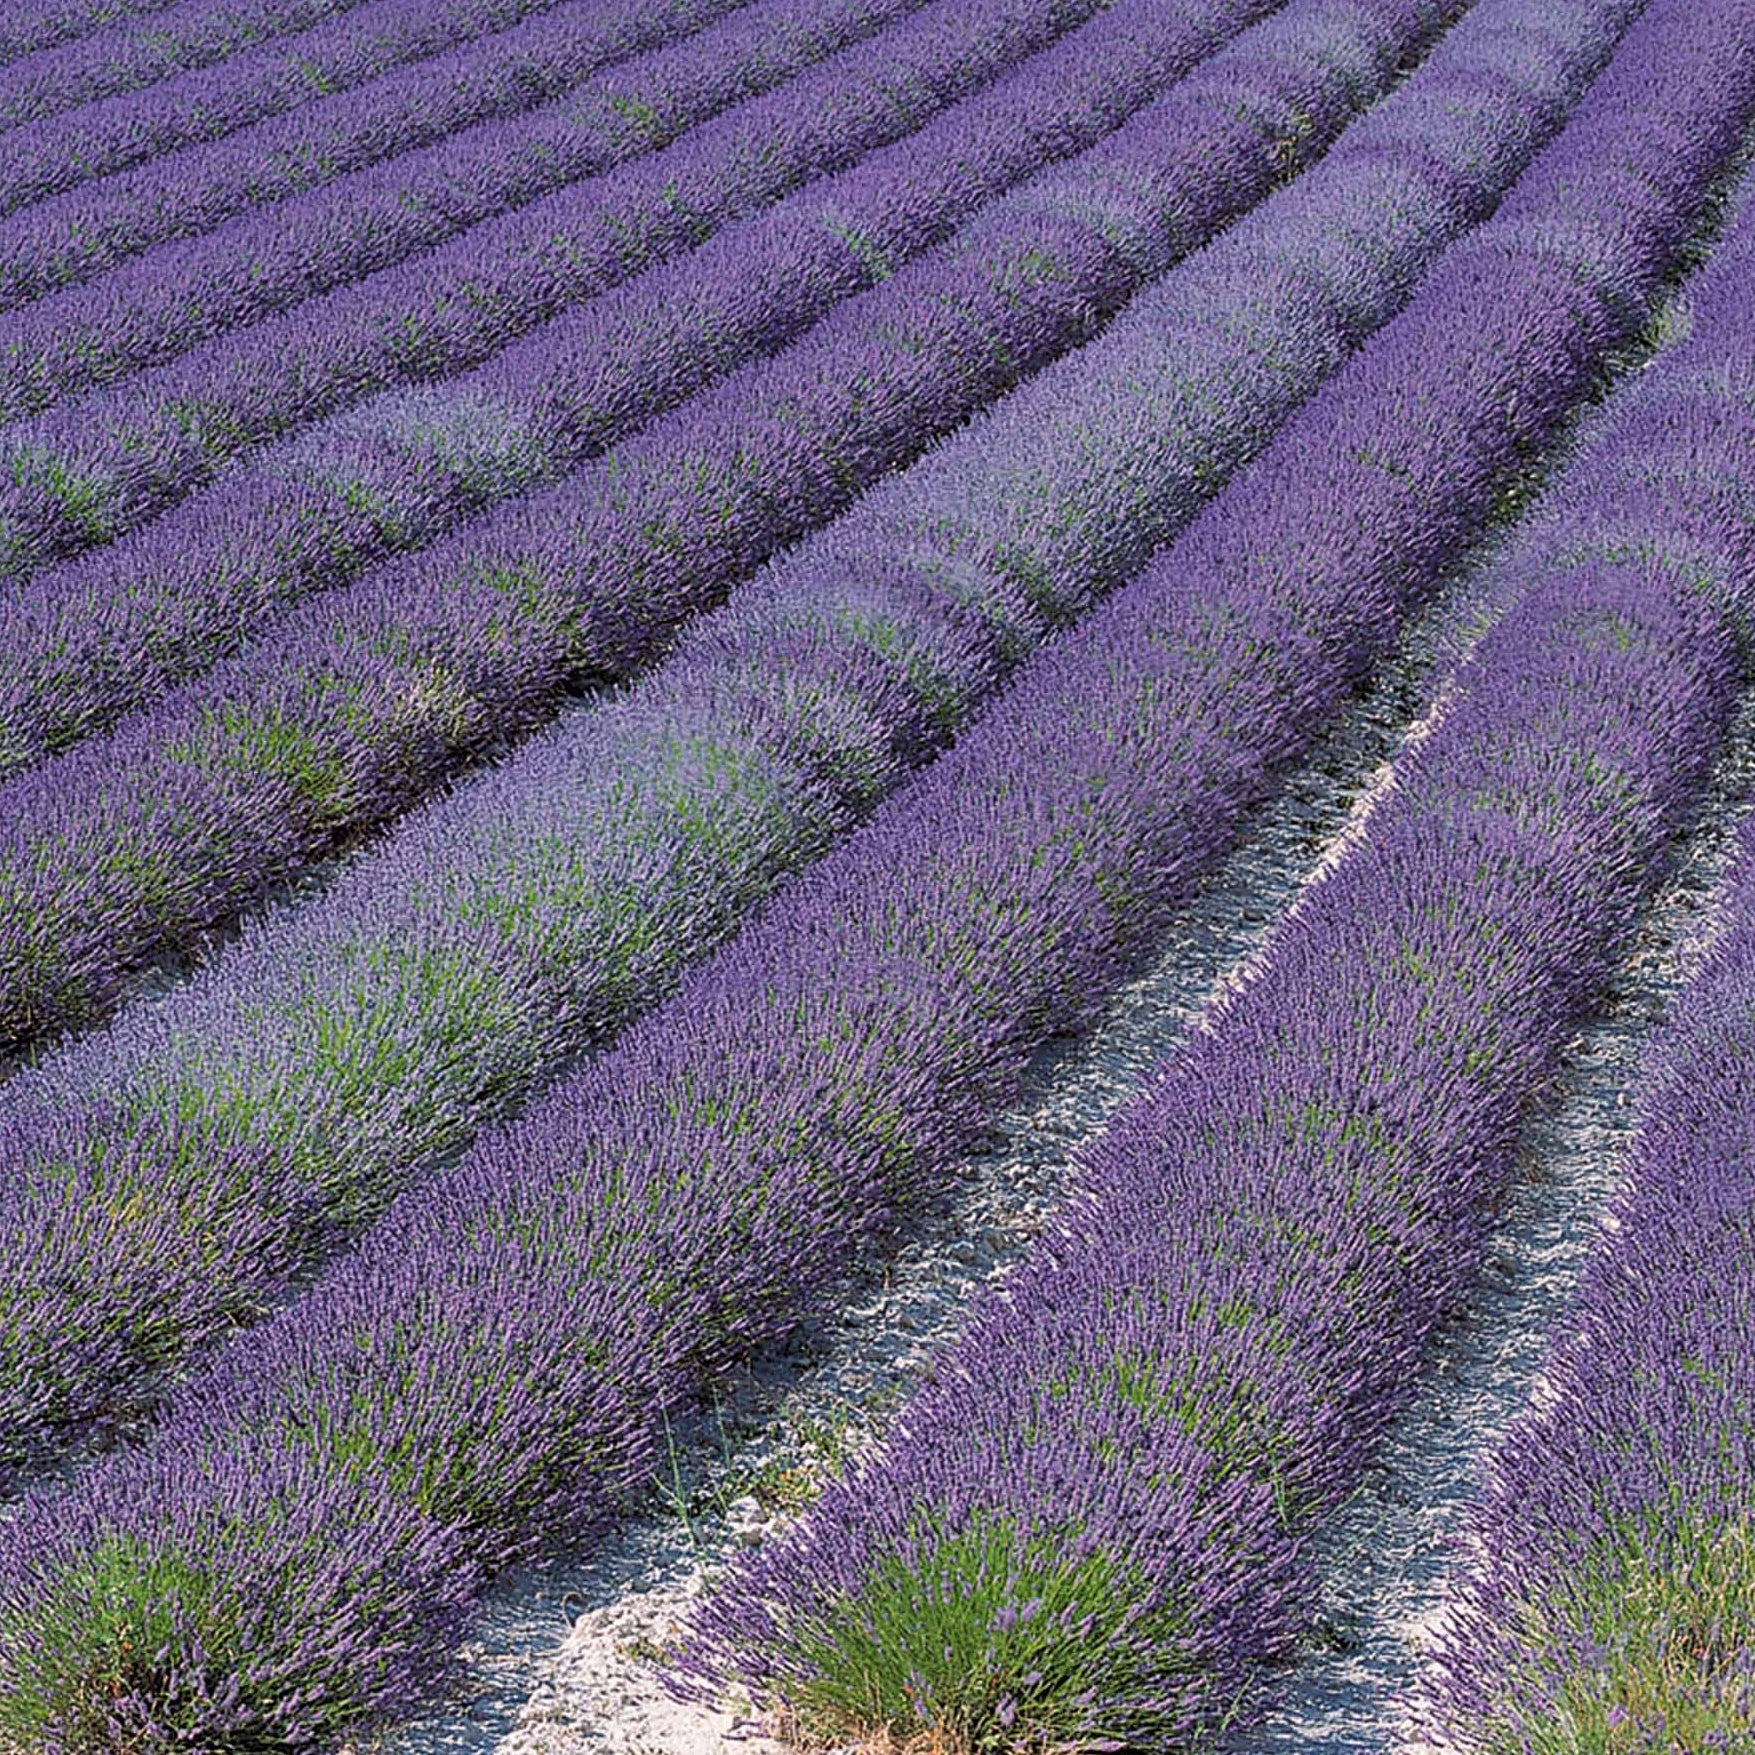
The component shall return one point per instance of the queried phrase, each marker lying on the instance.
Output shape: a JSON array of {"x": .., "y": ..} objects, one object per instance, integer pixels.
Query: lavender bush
[
  {"x": 658, "y": 826},
  {"x": 939, "y": 174},
  {"x": 597, "y": 573},
  {"x": 1609, "y": 1601},
  {"x": 74, "y": 93},
  {"x": 371, "y": 695}
]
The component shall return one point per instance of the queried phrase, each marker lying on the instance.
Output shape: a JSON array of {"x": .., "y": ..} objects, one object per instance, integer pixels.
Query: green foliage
[
  {"x": 1668, "y": 1605},
  {"x": 98, "y": 1634},
  {"x": 271, "y": 746},
  {"x": 82, "y": 498},
  {"x": 986, "y": 1642}
]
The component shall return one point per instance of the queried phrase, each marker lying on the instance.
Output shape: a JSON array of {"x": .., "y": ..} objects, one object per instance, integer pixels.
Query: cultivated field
[{"x": 877, "y": 875}]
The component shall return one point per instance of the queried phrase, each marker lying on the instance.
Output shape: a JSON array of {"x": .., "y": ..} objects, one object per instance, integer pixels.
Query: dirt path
[{"x": 1384, "y": 1561}]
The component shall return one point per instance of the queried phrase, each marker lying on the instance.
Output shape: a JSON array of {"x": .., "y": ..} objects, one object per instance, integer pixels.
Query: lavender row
[
  {"x": 88, "y": 229},
  {"x": 1615, "y": 1605},
  {"x": 1609, "y": 1599},
  {"x": 126, "y": 56},
  {"x": 257, "y": 265},
  {"x": 181, "y": 294},
  {"x": 830, "y": 238},
  {"x": 47, "y": 23},
  {"x": 50, "y": 154},
  {"x": 658, "y": 823},
  {"x": 1027, "y": 280},
  {"x": 493, "y": 1365},
  {"x": 1090, "y": 1525},
  {"x": 100, "y": 466},
  {"x": 362, "y": 701}
]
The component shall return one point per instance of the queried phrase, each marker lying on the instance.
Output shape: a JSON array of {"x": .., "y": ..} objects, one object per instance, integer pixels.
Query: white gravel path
[{"x": 1384, "y": 1561}]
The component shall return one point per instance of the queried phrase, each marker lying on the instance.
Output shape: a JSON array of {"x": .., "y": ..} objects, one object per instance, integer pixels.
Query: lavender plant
[
  {"x": 657, "y": 827},
  {"x": 458, "y": 303},
  {"x": 1608, "y": 1603},
  {"x": 42, "y": 24},
  {"x": 55, "y": 92},
  {"x": 993, "y": 128},
  {"x": 81, "y": 232}
]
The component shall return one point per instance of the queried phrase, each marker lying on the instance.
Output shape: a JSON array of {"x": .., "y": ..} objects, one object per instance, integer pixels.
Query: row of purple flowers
[
  {"x": 498, "y": 621},
  {"x": 395, "y": 472},
  {"x": 109, "y": 98},
  {"x": 303, "y": 352},
  {"x": 1610, "y": 1598},
  {"x": 296, "y": 1084},
  {"x": 187, "y": 189}
]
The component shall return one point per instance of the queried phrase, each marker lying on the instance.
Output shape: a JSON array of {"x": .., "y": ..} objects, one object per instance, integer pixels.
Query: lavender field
[{"x": 877, "y": 876}]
